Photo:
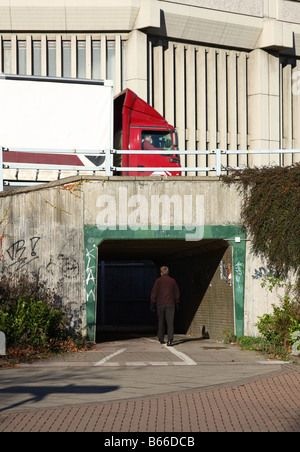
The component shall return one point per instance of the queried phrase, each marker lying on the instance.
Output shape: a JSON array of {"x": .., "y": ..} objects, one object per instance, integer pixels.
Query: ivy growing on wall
[{"x": 271, "y": 214}]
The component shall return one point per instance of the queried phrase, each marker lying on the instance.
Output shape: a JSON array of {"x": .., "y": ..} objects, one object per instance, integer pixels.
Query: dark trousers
[{"x": 165, "y": 313}]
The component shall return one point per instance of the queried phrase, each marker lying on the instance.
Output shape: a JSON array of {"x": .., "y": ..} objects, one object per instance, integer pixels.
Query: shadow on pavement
[{"x": 41, "y": 392}]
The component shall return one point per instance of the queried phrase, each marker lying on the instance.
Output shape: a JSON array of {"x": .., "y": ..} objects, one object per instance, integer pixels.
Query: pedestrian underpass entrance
[
  {"x": 121, "y": 267},
  {"x": 202, "y": 271}
]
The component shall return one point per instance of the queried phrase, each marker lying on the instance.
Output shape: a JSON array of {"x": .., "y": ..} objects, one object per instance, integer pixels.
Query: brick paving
[{"x": 269, "y": 403}]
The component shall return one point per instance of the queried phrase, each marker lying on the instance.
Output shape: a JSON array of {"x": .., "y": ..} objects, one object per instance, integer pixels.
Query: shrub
[
  {"x": 278, "y": 327},
  {"x": 271, "y": 215},
  {"x": 30, "y": 322},
  {"x": 29, "y": 312},
  {"x": 229, "y": 336},
  {"x": 260, "y": 344}
]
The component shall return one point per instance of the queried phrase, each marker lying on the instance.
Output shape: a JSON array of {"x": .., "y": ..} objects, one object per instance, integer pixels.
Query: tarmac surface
[{"x": 139, "y": 385}]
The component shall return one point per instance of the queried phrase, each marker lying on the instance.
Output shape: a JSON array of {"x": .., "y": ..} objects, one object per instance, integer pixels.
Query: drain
[{"x": 214, "y": 348}]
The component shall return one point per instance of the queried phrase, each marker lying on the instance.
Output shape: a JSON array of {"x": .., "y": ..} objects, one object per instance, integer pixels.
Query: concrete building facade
[{"x": 225, "y": 73}]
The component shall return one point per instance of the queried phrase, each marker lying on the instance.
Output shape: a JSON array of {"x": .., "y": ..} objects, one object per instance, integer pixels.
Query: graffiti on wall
[
  {"x": 263, "y": 272},
  {"x": 90, "y": 277},
  {"x": 67, "y": 267},
  {"x": 24, "y": 251},
  {"x": 30, "y": 254},
  {"x": 225, "y": 272},
  {"x": 239, "y": 270}
]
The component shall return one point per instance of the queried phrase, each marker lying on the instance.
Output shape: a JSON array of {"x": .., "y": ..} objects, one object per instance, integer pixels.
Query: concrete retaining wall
[{"x": 44, "y": 230}]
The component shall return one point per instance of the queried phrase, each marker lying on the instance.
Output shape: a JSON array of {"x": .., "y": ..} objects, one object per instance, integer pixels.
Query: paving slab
[{"x": 141, "y": 376}]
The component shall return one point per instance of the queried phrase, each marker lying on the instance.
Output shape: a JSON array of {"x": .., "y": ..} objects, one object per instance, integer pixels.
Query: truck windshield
[{"x": 156, "y": 140}]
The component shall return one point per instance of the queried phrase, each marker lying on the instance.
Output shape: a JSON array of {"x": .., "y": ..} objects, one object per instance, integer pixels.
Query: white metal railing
[{"x": 110, "y": 169}]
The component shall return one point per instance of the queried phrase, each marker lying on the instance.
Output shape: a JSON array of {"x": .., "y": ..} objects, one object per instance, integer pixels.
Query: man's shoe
[
  {"x": 169, "y": 343},
  {"x": 162, "y": 342}
]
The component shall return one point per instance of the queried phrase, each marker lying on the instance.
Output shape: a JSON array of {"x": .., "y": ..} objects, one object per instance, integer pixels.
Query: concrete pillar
[
  {"x": 191, "y": 105},
  {"x": 136, "y": 63},
  {"x": 296, "y": 108},
  {"x": 264, "y": 104},
  {"x": 180, "y": 95}
]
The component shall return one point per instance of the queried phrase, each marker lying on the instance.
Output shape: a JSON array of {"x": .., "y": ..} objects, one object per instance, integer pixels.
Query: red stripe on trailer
[{"x": 42, "y": 159}]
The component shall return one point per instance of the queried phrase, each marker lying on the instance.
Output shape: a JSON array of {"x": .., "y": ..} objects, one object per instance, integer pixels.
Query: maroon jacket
[{"x": 165, "y": 291}]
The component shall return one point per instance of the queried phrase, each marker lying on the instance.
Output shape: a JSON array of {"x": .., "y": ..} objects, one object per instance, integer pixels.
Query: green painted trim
[
  {"x": 93, "y": 236},
  {"x": 239, "y": 257}
]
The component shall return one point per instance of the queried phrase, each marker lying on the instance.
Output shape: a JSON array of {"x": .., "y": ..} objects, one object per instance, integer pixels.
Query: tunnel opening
[{"x": 127, "y": 270}]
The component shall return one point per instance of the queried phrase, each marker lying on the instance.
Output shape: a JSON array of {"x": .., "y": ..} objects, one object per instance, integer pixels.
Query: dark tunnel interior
[{"x": 127, "y": 270}]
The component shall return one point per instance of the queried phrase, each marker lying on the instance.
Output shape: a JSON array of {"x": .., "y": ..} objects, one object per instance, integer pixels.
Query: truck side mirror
[{"x": 176, "y": 140}]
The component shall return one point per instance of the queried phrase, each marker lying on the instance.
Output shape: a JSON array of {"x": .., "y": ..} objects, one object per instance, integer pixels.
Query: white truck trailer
[{"x": 48, "y": 116}]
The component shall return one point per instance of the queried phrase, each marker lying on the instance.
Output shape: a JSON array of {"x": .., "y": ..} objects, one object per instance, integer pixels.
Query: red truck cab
[{"x": 138, "y": 126}]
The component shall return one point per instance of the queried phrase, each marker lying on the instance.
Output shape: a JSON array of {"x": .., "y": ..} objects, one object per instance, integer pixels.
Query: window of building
[
  {"x": 51, "y": 58},
  {"x": 96, "y": 59},
  {"x": 21, "y": 58},
  {"x": 123, "y": 64},
  {"x": 16, "y": 58},
  {"x": 6, "y": 57},
  {"x": 110, "y": 60},
  {"x": 81, "y": 59},
  {"x": 36, "y": 58},
  {"x": 66, "y": 58}
]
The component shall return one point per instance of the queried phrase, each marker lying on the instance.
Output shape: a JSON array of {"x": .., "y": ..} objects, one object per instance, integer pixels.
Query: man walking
[{"x": 165, "y": 294}]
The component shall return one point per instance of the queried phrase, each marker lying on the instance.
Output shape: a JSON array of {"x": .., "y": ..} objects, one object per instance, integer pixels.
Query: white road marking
[
  {"x": 185, "y": 360},
  {"x": 107, "y": 358},
  {"x": 145, "y": 363},
  {"x": 159, "y": 363},
  {"x": 188, "y": 361},
  {"x": 272, "y": 362},
  {"x": 139, "y": 363}
]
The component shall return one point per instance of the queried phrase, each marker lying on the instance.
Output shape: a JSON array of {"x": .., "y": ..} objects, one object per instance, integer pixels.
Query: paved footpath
[{"x": 142, "y": 386}]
